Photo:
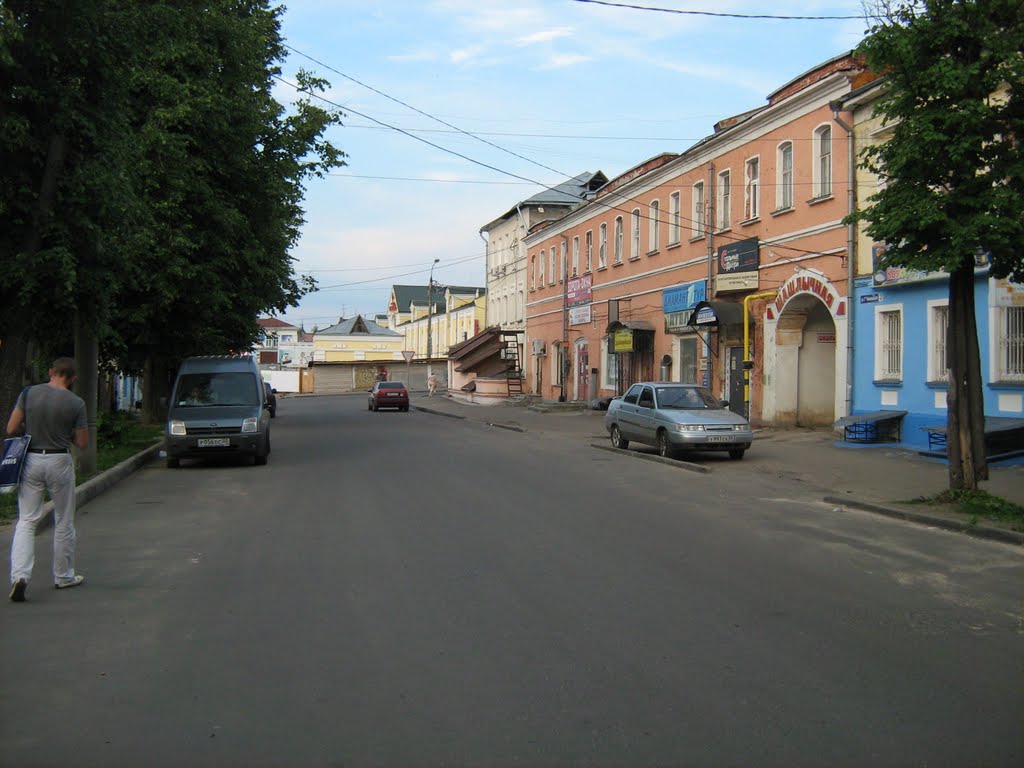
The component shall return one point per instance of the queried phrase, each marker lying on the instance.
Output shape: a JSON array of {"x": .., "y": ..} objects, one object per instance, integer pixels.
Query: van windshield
[{"x": 197, "y": 390}]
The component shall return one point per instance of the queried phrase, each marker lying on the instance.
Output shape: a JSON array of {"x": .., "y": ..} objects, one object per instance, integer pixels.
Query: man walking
[{"x": 55, "y": 417}]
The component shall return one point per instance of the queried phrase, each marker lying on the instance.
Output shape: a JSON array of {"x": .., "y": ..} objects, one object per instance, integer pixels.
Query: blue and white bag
[{"x": 13, "y": 462}]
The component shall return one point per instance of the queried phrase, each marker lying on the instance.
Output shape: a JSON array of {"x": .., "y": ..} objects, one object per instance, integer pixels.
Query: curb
[
  {"x": 439, "y": 413},
  {"x": 677, "y": 463},
  {"x": 978, "y": 531},
  {"x": 94, "y": 486}
]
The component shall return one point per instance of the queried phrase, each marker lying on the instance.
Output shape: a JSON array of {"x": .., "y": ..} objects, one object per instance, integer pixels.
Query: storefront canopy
[
  {"x": 713, "y": 314},
  {"x": 633, "y": 325}
]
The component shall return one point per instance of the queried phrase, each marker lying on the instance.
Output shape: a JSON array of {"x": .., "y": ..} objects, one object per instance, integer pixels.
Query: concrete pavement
[{"x": 886, "y": 479}]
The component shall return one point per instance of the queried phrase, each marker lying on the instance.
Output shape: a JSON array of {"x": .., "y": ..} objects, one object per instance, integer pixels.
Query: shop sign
[
  {"x": 580, "y": 315},
  {"x": 737, "y": 266},
  {"x": 705, "y": 316},
  {"x": 678, "y": 322},
  {"x": 806, "y": 283},
  {"x": 579, "y": 290},
  {"x": 682, "y": 297},
  {"x": 871, "y": 298},
  {"x": 1006, "y": 294},
  {"x": 885, "y": 276},
  {"x": 623, "y": 340},
  {"x": 826, "y": 338}
]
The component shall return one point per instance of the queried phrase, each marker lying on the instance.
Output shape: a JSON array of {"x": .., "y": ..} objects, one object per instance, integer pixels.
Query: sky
[{"x": 456, "y": 110}]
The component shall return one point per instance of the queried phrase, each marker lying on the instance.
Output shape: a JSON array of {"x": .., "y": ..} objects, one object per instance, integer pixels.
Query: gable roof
[
  {"x": 570, "y": 193},
  {"x": 273, "y": 322},
  {"x": 356, "y": 326},
  {"x": 407, "y": 295}
]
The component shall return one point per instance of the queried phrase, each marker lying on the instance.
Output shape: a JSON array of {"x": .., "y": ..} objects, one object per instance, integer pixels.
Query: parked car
[
  {"x": 388, "y": 394},
  {"x": 675, "y": 418},
  {"x": 271, "y": 397},
  {"x": 218, "y": 407}
]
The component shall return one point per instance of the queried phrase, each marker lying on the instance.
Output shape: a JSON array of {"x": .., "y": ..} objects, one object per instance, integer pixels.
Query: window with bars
[
  {"x": 1010, "y": 351},
  {"x": 673, "y": 218},
  {"x": 938, "y": 330},
  {"x": 889, "y": 344}
]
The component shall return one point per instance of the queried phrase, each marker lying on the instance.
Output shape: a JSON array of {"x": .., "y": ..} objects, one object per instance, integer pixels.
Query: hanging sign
[{"x": 623, "y": 340}]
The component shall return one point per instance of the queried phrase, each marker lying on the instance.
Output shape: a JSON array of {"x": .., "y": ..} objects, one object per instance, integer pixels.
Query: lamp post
[{"x": 430, "y": 311}]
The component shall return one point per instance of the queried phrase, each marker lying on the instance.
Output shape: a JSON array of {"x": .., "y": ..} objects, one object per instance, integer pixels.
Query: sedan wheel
[
  {"x": 618, "y": 441},
  {"x": 664, "y": 446}
]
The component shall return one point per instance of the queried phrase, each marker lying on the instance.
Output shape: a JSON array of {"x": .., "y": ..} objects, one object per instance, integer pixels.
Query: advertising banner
[
  {"x": 580, "y": 315},
  {"x": 579, "y": 290},
  {"x": 737, "y": 266}
]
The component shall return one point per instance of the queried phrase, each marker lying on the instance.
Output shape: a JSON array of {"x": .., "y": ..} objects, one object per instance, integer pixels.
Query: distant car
[
  {"x": 271, "y": 398},
  {"x": 388, "y": 394},
  {"x": 675, "y": 418}
]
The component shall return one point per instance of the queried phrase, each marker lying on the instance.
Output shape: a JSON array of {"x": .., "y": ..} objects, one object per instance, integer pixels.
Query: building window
[
  {"x": 938, "y": 328},
  {"x": 1010, "y": 344},
  {"x": 610, "y": 379},
  {"x": 889, "y": 343},
  {"x": 563, "y": 263},
  {"x": 540, "y": 269},
  {"x": 590, "y": 251},
  {"x": 823, "y": 162},
  {"x": 652, "y": 236},
  {"x": 752, "y": 189},
  {"x": 618, "y": 239},
  {"x": 533, "y": 272},
  {"x": 698, "y": 209},
  {"x": 673, "y": 218},
  {"x": 602, "y": 247},
  {"x": 576, "y": 255},
  {"x": 552, "y": 257},
  {"x": 784, "y": 196},
  {"x": 634, "y": 222},
  {"x": 723, "y": 220}
]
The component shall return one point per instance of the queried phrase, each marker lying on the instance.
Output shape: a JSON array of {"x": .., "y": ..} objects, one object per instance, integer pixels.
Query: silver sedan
[{"x": 676, "y": 417}]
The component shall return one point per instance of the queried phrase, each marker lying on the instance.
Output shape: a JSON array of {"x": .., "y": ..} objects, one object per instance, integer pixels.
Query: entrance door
[
  {"x": 582, "y": 372},
  {"x": 688, "y": 361},
  {"x": 734, "y": 386}
]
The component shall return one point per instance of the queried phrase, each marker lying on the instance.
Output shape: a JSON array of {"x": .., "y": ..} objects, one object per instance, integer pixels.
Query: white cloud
[
  {"x": 545, "y": 36},
  {"x": 561, "y": 60}
]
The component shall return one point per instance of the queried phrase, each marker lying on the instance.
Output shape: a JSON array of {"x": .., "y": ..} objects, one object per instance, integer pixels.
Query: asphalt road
[{"x": 402, "y": 589}]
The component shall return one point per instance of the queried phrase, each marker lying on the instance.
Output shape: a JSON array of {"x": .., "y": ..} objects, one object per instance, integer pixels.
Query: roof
[
  {"x": 357, "y": 326},
  {"x": 273, "y": 322},
  {"x": 569, "y": 193},
  {"x": 407, "y": 295}
]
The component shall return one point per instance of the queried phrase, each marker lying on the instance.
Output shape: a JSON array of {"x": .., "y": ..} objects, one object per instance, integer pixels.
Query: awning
[
  {"x": 712, "y": 314},
  {"x": 633, "y": 325}
]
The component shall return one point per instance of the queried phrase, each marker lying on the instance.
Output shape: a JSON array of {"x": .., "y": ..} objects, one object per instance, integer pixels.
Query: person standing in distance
[{"x": 55, "y": 417}]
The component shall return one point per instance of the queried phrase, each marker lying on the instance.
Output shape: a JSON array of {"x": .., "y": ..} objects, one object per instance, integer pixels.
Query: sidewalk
[{"x": 877, "y": 478}]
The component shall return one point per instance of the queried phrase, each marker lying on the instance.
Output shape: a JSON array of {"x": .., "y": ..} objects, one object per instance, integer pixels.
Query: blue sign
[
  {"x": 682, "y": 297},
  {"x": 871, "y": 298}
]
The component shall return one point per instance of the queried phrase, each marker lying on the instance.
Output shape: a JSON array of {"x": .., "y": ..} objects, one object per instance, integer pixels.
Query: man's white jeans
[{"x": 53, "y": 472}]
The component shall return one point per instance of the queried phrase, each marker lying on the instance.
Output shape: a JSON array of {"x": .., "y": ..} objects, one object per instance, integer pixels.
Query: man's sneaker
[
  {"x": 18, "y": 591},
  {"x": 72, "y": 582}
]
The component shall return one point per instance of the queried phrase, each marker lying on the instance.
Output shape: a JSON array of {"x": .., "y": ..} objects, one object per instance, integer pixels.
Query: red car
[{"x": 388, "y": 394}]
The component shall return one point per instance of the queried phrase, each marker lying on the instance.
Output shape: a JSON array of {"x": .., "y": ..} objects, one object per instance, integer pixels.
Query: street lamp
[{"x": 430, "y": 311}]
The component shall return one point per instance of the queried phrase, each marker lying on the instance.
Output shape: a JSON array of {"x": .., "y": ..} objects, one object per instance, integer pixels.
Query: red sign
[{"x": 579, "y": 290}]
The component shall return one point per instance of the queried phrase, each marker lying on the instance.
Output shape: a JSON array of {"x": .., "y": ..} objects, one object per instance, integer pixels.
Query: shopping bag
[{"x": 13, "y": 462}]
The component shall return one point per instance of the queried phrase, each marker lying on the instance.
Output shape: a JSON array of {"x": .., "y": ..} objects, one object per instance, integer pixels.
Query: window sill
[
  {"x": 723, "y": 230},
  {"x": 634, "y": 258},
  {"x": 653, "y": 253},
  {"x": 781, "y": 211},
  {"x": 673, "y": 246},
  {"x": 696, "y": 239},
  {"x": 749, "y": 222},
  {"x": 1006, "y": 384},
  {"x": 821, "y": 199},
  {"x": 937, "y": 384},
  {"x": 889, "y": 383},
  {"x": 616, "y": 264},
  {"x": 602, "y": 269}
]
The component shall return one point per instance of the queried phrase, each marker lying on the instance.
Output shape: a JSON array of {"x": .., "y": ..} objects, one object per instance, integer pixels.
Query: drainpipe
[
  {"x": 851, "y": 244},
  {"x": 747, "y": 362}
]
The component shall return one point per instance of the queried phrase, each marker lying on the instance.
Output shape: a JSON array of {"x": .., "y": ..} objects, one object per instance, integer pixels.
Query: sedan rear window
[{"x": 391, "y": 385}]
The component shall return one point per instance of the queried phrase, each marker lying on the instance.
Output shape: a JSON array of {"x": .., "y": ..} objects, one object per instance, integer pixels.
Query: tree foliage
[
  {"x": 952, "y": 172},
  {"x": 149, "y": 180}
]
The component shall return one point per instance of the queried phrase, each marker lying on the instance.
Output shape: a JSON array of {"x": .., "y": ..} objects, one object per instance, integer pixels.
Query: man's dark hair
[{"x": 65, "y": 367}]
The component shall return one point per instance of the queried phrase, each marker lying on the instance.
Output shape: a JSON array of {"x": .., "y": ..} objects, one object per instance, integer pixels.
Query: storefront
[{"x": 689, "y": 361}]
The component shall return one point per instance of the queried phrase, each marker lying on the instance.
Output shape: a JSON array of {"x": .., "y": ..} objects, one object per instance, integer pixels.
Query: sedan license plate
[
  {"x": 213, "y": 442},
  {"x": 394, "y": 394},
  {"x": 719, "y": 439}
]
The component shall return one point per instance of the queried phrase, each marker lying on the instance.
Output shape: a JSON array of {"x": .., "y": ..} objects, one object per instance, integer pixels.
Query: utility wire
[{"x": 718, "y": 14}]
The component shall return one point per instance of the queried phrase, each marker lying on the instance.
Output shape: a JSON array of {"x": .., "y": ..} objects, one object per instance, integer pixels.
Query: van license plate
[{"x": 213, "y": 442}]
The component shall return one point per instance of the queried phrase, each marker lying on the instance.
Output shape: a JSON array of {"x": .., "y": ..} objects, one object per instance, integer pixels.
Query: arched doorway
[{"x": 805, "y": 370}]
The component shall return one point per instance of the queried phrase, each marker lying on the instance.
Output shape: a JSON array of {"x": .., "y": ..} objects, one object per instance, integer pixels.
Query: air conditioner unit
[{"x": 538, "y": 346}]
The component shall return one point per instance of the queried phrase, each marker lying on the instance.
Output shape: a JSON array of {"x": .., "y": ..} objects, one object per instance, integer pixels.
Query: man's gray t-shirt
[{"x": 51, "y": 416}]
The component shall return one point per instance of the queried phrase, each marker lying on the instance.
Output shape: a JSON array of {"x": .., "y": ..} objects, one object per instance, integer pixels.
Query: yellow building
[
  {"x": 357, "y": 340},
  {"x": 459, "y": 313}
]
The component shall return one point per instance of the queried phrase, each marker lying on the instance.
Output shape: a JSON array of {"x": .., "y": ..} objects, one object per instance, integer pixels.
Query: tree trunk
[
  {"x": 155, "y": 391},
  {"x": 13, "y": 360},
  {"x": 965, "y": 428}
]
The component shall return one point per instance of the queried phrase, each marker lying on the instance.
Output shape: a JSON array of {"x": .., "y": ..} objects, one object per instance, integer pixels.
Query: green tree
[{"x": 953, "y": 172}]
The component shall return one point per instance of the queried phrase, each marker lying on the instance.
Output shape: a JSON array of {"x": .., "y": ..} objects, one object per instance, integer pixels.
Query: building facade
[
  {"x": 727, "y": 261},
  {"x": 447, "y": 316}
]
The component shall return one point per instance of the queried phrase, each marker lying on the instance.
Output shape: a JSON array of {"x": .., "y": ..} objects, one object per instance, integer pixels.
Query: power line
[{"x": 720, "y": 15}]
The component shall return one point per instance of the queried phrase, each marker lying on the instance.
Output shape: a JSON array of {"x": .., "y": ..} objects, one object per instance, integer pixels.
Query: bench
[
  {"x": 1004, "y": 437},
  {"x": 874, "y": 427}
]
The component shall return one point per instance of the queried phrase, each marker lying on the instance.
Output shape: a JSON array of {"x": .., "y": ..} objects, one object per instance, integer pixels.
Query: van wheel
[
  {"x": 736, "y": 453},
  {"x": 260, "y": 459},
  {"x": 173, "y": 463},
  {"x": 618, "y": 441}
]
